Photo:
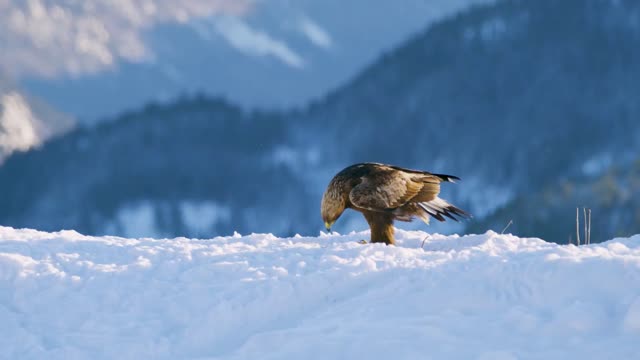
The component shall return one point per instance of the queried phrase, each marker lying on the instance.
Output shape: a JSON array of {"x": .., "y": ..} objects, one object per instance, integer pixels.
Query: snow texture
[{"x": 68, "y": 296}]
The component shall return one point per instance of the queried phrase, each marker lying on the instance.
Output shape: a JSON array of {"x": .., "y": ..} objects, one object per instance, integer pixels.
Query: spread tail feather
[{"x": 439, "y": 208}]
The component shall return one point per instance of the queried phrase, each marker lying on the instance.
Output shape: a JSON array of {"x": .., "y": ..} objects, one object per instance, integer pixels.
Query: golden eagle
[{"x": 383, "y": 193}]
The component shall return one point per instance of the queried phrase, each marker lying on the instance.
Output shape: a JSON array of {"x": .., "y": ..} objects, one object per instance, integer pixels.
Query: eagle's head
[{"x": 333, "y": 204}]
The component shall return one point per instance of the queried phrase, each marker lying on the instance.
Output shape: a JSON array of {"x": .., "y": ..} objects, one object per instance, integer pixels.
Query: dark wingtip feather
[
  {"x": 447, "y": 212},
  {"x": 459, "y": 212},
  {"x": 448, "y": 178}
]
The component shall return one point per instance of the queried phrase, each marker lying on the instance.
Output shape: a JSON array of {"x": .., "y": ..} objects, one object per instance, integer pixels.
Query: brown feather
[
  {"x": 409, "y": 211},
  {"x": 428, "y": 192},
  {"x": 381, "y": 225},
  {"x": 383, "y": 193},
  {"x": 384, "y": 189}
]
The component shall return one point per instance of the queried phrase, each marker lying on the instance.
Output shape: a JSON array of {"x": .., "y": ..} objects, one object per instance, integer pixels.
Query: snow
[
  {"x": 315, "y": 33},
  {"x": 135, "y": 219},
  {"x": 144, "y": 218},
  {"x": 26, "y": 122},
  {"x": 18, "y": 125},
  {"x": 68, "y": 296},
  {"x": 488, "y": 30},
  {"x": 240, "y": 35},
  {"x": 598, "y": 164},
  {"x": 201, "y": 217}
]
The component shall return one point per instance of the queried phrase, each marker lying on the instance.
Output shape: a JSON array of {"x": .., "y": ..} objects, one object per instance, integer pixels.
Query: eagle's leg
[{"x": 381, "y": 224}]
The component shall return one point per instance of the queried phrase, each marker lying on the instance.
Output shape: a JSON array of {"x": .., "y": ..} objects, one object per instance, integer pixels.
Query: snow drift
[{"x": 69, "y": 296}]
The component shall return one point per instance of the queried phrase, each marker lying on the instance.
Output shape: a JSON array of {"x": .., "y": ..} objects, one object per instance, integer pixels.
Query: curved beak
[{"x": 327, "y": 226}]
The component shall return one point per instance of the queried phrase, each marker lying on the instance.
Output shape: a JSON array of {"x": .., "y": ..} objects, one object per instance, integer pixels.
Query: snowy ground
[{"x": 68, "y": 296}]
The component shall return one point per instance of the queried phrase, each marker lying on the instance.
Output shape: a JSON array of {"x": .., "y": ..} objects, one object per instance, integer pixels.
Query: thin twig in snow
[
  {"x": 506, "y": 227},
  {"x": 589, "y": 232},
  {"x": 578, "y": 226},
  {"x": 586, "y": 239},
  {"x": 424, "y": 240}
]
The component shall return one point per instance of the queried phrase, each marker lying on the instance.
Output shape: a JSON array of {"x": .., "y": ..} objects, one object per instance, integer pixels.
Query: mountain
[
  {"x": 191, "y": 167},
  {"x": 25, "y": 121},
  {"x": 612, "y": 196},
  {"x": 514, "y": 98},
  {"x": 510, "y": 97},
  {"x": 289, "y": 51}
]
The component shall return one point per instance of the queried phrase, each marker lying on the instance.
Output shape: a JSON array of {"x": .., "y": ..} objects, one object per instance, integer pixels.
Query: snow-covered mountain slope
[
  {"x": 64, "y": 295},
  {"x": 26, "y": 121},
  {"x": 263, "y": 53}
]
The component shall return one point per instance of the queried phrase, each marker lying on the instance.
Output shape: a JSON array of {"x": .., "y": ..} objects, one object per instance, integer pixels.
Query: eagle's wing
[
  {"x": 385, "y": 189},
  {"x": 430, "y": 188}
]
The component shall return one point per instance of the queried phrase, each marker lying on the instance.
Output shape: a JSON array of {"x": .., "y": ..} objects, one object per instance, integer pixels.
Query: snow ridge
[{"x": 65, "y": 295}]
